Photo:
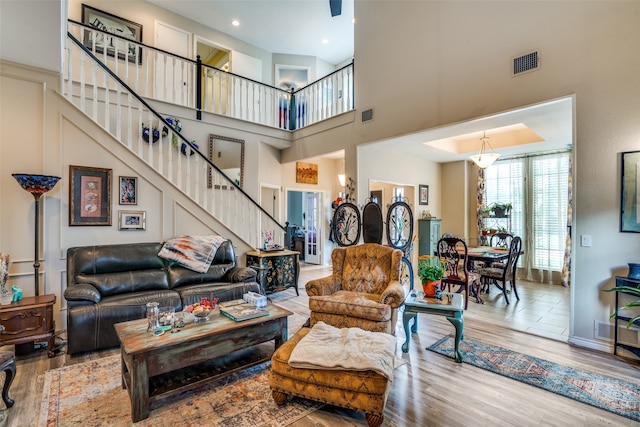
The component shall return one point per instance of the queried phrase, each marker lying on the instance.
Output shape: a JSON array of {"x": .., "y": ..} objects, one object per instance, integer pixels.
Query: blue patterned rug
[{"x": 619, "y": 397}]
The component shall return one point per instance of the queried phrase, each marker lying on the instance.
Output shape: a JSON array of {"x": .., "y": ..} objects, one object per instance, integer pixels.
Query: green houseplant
[
  {"x": 431, "y": 272},
  {"x": 501, "y": 210},
  {"x": 631, "y": 291}
]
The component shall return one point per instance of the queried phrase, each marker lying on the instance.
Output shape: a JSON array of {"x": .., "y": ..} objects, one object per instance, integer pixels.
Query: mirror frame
[{"x": 212, "y": 139}]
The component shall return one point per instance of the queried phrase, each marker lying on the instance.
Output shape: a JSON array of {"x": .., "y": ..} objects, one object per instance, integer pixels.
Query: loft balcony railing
[
  {"x": 157, "y": 74},
  {"x": 117, "y": 107}
]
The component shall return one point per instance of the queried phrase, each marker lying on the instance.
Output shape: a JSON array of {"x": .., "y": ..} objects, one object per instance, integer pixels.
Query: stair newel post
[
  {"x": 198, "y": 88},
  {"x": 292, "y": 111}
]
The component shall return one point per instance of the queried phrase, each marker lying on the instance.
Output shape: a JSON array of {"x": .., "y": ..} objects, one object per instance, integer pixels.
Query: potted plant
[
  {"x": 631, "y": 291},
  {"x": 431, "y": 272},
  {"x": 485, "y": 211},
  {"x": 501, "y": 210}
]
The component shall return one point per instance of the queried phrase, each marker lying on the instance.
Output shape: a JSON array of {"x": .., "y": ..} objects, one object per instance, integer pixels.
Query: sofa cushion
[
  {"x": 114, "y": 258},
  {"x": 126, "y": 281},
  {"x": 352, "y": 304},
  {"x": 180, "y": 276}
]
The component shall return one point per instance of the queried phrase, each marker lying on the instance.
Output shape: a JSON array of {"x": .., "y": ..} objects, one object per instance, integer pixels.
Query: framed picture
[
  {"x": 89, "y": 196},
  {"x": 132, "y": 220},
  {"x": 128, "y": 190},
  {"x": 289, "y": 77},
  {"x": 306, "y": 173},
  {"x": 630, "y": 200},
  {"x": 423, "y": 194},
  {"x": 113, "y": 24}
]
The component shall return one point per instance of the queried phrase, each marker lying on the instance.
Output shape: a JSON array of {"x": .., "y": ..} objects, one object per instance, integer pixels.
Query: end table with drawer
[{"x": 28, "y": 320}]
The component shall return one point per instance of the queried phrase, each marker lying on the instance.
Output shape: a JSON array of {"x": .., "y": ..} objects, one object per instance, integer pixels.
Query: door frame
[{"x": 322, "y": 214}]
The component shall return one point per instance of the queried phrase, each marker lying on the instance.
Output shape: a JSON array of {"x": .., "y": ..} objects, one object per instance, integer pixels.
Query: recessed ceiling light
[
  {"x": 325, "y": 41},
  {"x": 235, "y": 22}
]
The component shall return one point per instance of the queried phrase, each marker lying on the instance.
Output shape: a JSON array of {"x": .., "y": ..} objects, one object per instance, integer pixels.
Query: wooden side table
[
  {"x": 284, "y": 272},
  {"x": 28, "y": 320},
  {"x": 451, "y": 306}
]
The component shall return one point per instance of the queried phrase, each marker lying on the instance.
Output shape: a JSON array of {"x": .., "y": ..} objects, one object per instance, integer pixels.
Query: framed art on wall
[
  {"x": 113, "y": 24},
  {"x": 423, "y": 193},
  {"x": 630, "y": 200},
  {"x": 306, "y": 173},
  {"x": 89, "y": 196},
  {"x": 132, "y": 220},
  {"x": 128, "y": 190}
]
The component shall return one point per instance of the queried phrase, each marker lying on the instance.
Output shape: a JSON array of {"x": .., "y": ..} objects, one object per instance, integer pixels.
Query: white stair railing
[{"x": 111, "y": 103}]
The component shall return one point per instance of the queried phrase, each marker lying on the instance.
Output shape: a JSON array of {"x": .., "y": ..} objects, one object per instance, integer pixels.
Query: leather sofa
[{"x": 110, "y": 284}]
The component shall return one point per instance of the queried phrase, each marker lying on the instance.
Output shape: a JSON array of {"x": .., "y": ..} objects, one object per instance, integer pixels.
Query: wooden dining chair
[
  {"x": 452, "y": 251},
  {"x": 499, "y": 276}
]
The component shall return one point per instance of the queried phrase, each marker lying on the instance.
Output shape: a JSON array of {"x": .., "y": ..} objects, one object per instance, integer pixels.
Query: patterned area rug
[
  {"x": 90, "y": 394},
  {"x": 619, "y": 397}
]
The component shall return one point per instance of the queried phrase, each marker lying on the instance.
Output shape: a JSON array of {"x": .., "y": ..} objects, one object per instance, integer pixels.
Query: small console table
[
  {"x": 284, "y": 269},
  {"x": 28, "y": 320}
]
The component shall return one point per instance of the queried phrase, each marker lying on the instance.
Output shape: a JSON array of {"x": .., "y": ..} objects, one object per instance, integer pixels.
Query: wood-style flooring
[{"x": 429, "y": 389}]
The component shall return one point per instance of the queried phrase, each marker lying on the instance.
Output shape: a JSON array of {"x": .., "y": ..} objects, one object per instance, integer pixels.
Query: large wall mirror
[{"x": 228, "y": 155}]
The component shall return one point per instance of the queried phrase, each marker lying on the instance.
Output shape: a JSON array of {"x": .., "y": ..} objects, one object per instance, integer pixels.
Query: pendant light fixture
[
  {"x": 485, "y": 159},
  {"x": 341, "y": 175}
]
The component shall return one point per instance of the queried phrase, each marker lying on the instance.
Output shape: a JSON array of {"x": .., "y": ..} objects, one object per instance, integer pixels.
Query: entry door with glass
[{"x": 312, "y": 235}]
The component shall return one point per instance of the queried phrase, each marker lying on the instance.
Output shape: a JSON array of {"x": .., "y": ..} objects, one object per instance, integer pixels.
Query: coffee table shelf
[{"x": 155, "y": 367}]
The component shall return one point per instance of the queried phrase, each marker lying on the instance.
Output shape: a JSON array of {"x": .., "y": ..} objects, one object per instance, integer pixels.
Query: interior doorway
[{"x": 304, "y": 210}]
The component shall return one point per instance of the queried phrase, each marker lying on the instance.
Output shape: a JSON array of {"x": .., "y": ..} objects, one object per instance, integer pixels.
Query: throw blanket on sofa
[
  {"x": 328, "y": 347},
  {"x": 192, "y": 252}
]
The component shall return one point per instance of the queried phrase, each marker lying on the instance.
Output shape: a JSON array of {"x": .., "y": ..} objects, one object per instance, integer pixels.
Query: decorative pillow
[{"x": 192, "y": 252}]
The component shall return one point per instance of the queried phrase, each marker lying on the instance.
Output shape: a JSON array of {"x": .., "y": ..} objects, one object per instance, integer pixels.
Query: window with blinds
[{"x": 537, "y": 187}]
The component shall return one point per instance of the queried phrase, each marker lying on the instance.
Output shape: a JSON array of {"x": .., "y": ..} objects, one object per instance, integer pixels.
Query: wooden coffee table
[{"x": 145, "y": 357}]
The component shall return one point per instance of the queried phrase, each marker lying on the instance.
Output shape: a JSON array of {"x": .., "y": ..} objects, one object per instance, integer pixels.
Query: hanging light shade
[
  {"x": 341, "y": 175},
  {"x": 485, "y": 159}
]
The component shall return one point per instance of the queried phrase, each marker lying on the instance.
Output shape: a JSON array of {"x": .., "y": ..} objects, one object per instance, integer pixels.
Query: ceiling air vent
[
  {"x": 525, "y": 63},
  {"x": 367, "y": 115}
]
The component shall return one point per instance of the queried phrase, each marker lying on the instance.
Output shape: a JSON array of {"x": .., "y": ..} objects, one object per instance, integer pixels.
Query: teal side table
[{"x": 451, "y": 306}]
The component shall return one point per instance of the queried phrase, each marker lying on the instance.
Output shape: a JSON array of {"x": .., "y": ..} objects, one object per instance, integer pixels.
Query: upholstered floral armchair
[{"x": 363, "y": 291}]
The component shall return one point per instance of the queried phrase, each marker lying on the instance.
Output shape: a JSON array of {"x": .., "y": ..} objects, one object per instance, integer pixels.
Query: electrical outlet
[{"x": 585, "y": 240}]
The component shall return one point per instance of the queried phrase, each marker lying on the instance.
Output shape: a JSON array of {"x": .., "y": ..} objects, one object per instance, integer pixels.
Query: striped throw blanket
[{"x": 193, "y": 252}]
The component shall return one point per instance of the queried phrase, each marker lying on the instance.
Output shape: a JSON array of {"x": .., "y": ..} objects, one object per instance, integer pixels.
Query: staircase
[{"x": 93, "y": 85}]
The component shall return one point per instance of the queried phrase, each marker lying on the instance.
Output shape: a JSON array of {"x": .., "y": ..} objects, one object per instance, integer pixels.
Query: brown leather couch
[{"x": 109, "y": 284}]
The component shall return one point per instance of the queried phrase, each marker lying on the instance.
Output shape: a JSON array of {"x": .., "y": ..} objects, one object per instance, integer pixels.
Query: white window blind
[{"x": 537, "y": 187}]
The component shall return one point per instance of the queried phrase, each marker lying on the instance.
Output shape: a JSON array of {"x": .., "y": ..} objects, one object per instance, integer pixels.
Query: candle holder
[{"x": 37, "y": 185}]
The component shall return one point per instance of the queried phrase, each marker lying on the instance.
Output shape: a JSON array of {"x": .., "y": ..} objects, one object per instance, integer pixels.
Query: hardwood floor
[{"x": 429, "y": 389}]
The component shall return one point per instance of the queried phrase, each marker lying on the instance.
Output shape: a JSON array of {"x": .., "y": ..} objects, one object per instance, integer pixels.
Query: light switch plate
[{"x": 585, "y": 240}]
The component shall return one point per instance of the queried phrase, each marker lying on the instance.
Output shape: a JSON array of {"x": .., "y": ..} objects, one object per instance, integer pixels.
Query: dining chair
[
  {"x": 499, "y": 276},
  {"x": 452, "y": 252},
  {"x": 498, "y": 240}
]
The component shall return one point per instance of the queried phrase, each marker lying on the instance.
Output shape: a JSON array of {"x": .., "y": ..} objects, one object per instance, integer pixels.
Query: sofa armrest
[
  {"x": 324, "y": 286},
  {"x": 82, "y": 292},
  {"x": 393, "y": 294},
  {"x": 241, "y": 274}
]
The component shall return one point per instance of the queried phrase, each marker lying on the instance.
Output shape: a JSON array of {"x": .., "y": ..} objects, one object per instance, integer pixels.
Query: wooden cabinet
[
  {"x": 428, "y": 236},
  {"x": 283, "y": 271},
  {"x": 28, "y": 320},
  {"x": 621, "y": 301}
]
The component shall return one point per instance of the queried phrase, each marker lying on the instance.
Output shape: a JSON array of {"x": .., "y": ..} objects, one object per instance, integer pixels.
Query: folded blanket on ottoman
[{"x": 354, "y": 349}]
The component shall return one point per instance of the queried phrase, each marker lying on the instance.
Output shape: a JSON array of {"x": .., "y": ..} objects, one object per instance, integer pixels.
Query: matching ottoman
[{"x": 360, "y": 390}]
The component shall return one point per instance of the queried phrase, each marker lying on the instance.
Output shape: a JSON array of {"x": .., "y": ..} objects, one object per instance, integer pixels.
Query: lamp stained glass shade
[{"x": 36, "y": 184}]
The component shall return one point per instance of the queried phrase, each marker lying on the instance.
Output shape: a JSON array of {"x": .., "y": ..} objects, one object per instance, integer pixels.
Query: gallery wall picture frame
[
  {"x": 128, "y": 190},
  {"x": 423, "y": 194},
  {"x": 306, "y": 173},
  {"x": 630, "y": 197},
  {"x": 121, "y": 27},
  {"x": 89, "y": 196},
  {"x": 132, "y": 220}
]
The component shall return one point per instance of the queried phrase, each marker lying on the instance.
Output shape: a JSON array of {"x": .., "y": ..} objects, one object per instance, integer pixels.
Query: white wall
[{"x": 454, "y": 61}]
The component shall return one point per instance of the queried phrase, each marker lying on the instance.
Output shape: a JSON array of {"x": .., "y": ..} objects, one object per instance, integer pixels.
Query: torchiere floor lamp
[{"x": 37, "y": 185}]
